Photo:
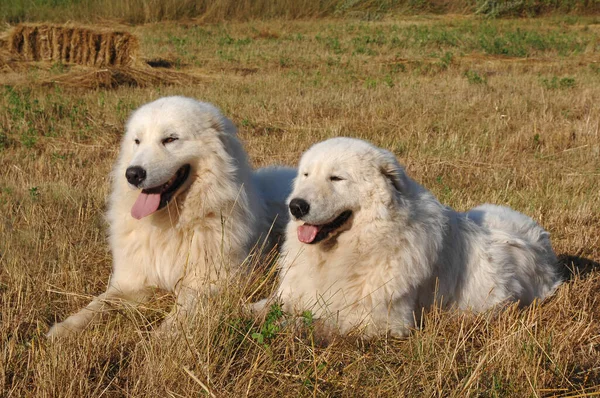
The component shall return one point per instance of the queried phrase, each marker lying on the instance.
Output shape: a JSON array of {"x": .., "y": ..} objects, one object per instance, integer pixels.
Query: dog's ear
[
  {"x": 391, "y": 169},
  {"x": 227, "y": 133},
  {"x": 217, "y": 122}
]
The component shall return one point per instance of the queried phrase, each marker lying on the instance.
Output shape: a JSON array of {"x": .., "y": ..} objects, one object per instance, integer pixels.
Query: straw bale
[{"x": 73, "y": 44}]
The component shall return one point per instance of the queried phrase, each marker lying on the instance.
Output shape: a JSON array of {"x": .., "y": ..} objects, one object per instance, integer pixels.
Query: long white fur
[
  {"x": 207, "y": 230},
  {"x": 402, "y": 250}
]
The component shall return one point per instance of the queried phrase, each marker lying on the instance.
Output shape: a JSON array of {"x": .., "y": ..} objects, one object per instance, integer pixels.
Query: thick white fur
[
  {"x": 402, "y": 250},
  {"x": 209, "y": 228}
]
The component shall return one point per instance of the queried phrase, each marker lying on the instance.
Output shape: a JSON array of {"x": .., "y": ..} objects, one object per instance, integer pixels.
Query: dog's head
[
  {"x": 339, "y": 180},
  {"x": 164, "y": 142}
]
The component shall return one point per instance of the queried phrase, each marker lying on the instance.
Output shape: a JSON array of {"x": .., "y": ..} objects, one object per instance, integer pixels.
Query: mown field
[{"x": 500, "y": 111}]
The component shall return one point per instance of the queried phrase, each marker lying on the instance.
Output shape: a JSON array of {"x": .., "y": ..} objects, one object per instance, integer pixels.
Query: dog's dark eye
[
  {"x": 335, "y": 178},
  {"x": 305, "y": 174},
  {"x": 168, "y": 140},
  {"x": 137, "y": 142}
]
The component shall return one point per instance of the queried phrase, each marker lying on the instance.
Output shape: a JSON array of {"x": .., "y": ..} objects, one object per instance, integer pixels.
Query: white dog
[
  {"x": 370, "y": 248},
  {"x": 185, "y": 206}
]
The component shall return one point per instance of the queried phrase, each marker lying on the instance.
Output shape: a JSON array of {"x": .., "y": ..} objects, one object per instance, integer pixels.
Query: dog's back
[
  {"x": 274, "y": 185},
  {"x": 525, "y": 248}
]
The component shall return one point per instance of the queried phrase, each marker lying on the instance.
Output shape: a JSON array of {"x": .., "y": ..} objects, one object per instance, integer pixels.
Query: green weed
[
  {"x": 331, "y": 43},
  {"x": 270, "y": 327},
  {"x": 34, "y": 193},
  {"x": 475, "y": 78},
  {"x": 445, "y": 60},
  {"x": 4, "y": 140},
  {"x": 29, "y": 137},
  {"x": 558, "y": 83}
]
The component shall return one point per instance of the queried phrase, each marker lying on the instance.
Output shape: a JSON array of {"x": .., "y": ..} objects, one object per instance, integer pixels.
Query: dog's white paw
[
  {"x": 259, "y": 308},
  {"x": 59, "y": 330}
]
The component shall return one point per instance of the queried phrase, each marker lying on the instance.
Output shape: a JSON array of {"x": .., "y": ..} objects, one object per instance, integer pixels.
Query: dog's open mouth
[
  {"x": 309, "y": 233},
  {"x": 153, "y": 199}
]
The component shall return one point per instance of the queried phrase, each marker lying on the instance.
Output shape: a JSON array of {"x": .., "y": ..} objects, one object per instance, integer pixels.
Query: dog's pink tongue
[
  {"x": 146, "y": 204},
  {"x": 307, "y": 233}
]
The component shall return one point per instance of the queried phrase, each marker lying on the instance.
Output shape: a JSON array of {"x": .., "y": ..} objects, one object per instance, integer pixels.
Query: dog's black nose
[
  {"x": 135, "y": 175},
  {"x": 299, "y": 207}
]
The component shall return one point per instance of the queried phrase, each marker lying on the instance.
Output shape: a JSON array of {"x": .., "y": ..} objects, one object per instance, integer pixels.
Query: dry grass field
[{"x": 500, "y": 111}]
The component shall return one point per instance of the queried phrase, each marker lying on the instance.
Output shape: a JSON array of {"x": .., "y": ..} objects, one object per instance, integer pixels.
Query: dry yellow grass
[
  {"x": 143, "y": 11},
  {"x": 479, "y": 111}
]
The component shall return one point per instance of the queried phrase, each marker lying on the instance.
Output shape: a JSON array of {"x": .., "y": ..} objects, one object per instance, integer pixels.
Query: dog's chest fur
[
  {"x": 196, "y": 256},
  {"x": 341, "y": 282},
  {"x": 197, "y": 243}
]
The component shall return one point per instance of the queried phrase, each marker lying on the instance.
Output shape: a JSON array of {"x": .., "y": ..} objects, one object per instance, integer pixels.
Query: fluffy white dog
[
  {"x": 185, "y": 207},
  {"x": 369, "y": 247}
]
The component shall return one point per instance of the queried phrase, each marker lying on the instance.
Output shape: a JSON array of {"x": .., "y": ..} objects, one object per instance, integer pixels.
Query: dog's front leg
[
  {"x": 401, "y": 316},
  {"x": 78, "y": 321},
  {"x": 186, "y": 306}
]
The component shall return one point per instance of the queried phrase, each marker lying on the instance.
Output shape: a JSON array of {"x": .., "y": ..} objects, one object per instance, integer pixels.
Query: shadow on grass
[{"x": 571, "y": 266}]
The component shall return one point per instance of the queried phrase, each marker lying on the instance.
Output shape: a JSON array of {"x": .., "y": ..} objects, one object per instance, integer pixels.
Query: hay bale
[
  {"x": 104, "y": 59},
  {"x": 76, "y": 48},
  {"x": 15, "y": 41},
  {"x": 78, "y": 45},
  {"x": 30, "y": 43},
  {"x": 45, "y": 42}
]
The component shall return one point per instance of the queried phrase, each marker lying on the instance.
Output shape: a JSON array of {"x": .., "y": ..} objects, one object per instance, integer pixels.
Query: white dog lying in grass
[
  {"x": 370, "y": 248},
  {"x": 185, "y": 207}
]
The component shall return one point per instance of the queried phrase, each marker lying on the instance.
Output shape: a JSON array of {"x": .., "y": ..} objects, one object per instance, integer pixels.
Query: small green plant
[
  {"x": 566, "y": 82},
  {"x": 34, "y": 193},
  {"x": 308, "y": 318},
  {"x": 397, "y": 68},
  {"x": 226, "y": 40},
  {"x": 331, "y": 43},
  {"x": 243, "y": 42},
  {"x": 370, "y": 83},
  {"x": 362, "y": 44},
  {"x": 270, "y": 327},
  {"x": 284, "y": 61},
  {"x": 177, "y": 41},
  {"x": 55, "y": 156},
  {"x": 29, "y": 138},
  {"x": 3, "y": 140},
  {"x": 558, "y": 83},
  {"x": 549, "y": 83},
  {"x": 124, "y": 108},
  {"x": 500, "y": 387},
  {"x": 331, "y": 61},
  {"x": 446, "y": 60},
  {"x": 475, "y": 78},
  {"x": 226, "y": 55},
  {"x": 446, "y": 192},
  {"x": 58, "y": 67},
  {"x": 388, "y": 80}
]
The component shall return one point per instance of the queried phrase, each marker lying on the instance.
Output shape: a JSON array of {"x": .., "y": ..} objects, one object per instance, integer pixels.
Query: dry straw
[
  {"x": 114, "y": 77},
  {"x": 103, "y": 58},
  {"x": 76, "y": 45}
]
